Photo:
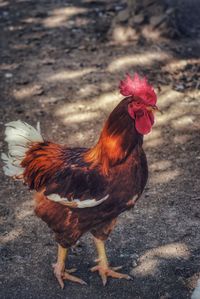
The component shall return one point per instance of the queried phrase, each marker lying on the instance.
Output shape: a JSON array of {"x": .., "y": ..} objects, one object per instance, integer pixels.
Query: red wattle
[{"x": 144, "y": 122}]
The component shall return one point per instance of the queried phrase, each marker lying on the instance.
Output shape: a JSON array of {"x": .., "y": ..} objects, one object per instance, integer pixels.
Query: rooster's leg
[
  {"x": 59, "y": 269},
  {"x": 103, "y": 265}
]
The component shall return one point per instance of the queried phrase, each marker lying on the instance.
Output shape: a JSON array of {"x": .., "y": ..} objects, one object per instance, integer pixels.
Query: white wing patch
[{"x": 76, "y": 203}]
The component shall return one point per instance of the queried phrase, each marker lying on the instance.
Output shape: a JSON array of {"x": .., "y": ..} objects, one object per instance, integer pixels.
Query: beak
[{"x": 154, "y": 109}]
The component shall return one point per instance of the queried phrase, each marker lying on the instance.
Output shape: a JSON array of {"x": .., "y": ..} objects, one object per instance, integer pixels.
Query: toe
[
  {"x": 114, "y": 274},
  {"x": 60, "y": 280},
  {"x": 103, "y": 277},
  {"x": 73, "y": 278}
]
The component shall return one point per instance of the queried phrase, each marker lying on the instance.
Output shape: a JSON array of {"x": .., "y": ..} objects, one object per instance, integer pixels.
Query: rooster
[{"x": 79, "y": 190}]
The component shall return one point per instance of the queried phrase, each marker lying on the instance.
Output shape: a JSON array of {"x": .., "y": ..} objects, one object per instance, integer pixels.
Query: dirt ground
[{"x": 58, "y": 67}]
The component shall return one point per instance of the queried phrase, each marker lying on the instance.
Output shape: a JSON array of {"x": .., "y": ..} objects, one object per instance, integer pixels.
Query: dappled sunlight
[
  {"x": 183, "y": 121},
  {"x": 106, "y": 100},
  {"x": 164, "y": 176},
  {"x": 146, "y": 58},
  {"x": 177, "y": 64},
  {"x": 69, "y": 75},
  {"x": 168, "y": 97},
  {"x": 151, "y": 259},
  {"x": 90, "y": 110},
  {"x": 169, "y": 102},
  {"x": 60, "y": 16},
  {"x": 3, "y": 3},
  {"x": 79, "y": 138},
  {"x": 160, "y": 165},
  {"x": 154, "y": 142},
  {"x": 24, "y": 210},
  {"x": 30, "y": 20},
  {"x": 154, "y": 138},
  {"x": 181, "y": 139},
  {"x": 87, "y": 90},
  {"x": 27, "y": 92},
  {"x": 11, "y": 236},
  {"x": 92, "y": 89},
  {"x": 80, "y": 117},
  {"x": 8, "y": 66},
  {"x": 61, "y": 67},
  {"x": 195, "y": 93},
  {"x": 122, "y": 34}
]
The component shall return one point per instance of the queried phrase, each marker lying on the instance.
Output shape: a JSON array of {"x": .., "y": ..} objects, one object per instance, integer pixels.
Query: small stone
[
  {"x": 8, "y": 75},
  {"x": 138, "y": 19},
  {"x": 134, "y": 263},
  {"x": 156, "y": 20},
  {"x": 179, "y": 87}
]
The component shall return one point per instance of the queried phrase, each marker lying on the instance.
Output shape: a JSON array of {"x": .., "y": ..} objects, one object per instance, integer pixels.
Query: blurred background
[{"x": 60, "y": 64}]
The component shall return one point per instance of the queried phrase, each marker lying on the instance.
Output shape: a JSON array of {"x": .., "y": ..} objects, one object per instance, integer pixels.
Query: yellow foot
[
  {"x": 64, "y": 274},
  {"x": 105, "y": 272}
]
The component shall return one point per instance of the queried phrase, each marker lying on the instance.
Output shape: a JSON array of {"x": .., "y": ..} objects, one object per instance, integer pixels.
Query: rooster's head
[{"x": 142, "y": 102}]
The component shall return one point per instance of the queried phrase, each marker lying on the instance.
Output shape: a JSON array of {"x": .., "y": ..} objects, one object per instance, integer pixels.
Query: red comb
[{"x": 138, "y": 87}]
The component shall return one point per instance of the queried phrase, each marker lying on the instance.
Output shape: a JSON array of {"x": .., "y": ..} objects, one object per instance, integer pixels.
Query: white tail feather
[{"x": 19, "y": 136}]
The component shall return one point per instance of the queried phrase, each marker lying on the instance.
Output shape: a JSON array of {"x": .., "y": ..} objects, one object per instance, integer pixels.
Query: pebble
[{"x": 8, "y": 75}]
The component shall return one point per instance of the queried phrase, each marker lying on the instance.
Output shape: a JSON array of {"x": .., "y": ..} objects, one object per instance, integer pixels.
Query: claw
[
  {"x": 64, "y": 274},
  {"x": 67, "y": 276},
  {"x": 106, "y": 272}
]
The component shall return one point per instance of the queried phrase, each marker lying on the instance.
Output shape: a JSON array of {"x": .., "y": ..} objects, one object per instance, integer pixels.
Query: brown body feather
[{"x": 116, "y": 166}]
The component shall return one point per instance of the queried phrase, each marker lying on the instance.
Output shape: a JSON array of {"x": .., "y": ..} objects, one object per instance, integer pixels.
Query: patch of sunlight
[
  {"x": 87, "y": 90},
  {"x": 81, "y": 138},
  {"x": 8, "y": 67},
  {"x": 171, "y": 100},
  {"x": 154, "y": 138},
  {"x": 105, "y": 86},
  {"x": 122, "y": 34},
  {"x": 60, "y": 16},
  {"x": 183, "y": 121},
  {"x": 168, "y": 117},
  {"x": 175, "y": 65},
  {"x": 30, "y": 20},
  {"x": 195, "y": 93},
  {"x": 167, "y": 97},
  {"x": 27, "y": 91},
  {"x": 80, "y": 117},
  {"x": 3, "y": 3},
  {"x": 71, "y": 111},
  {"x": 150, "y": 260},
  {"x": 24, "y": 210},
  {"x": 160, "y": 165},
  {"x": 146, "y": 58},
  {"x": 12, "y": 235},
  {"x": 154, "y": 142},
  {"x": 155, "y": 133},
  {"x": 68, "y": 75},
  {"x": 181, "y": 139},
  {"x": 164, "y": 176},
  {"x": 107, "y": 98}
]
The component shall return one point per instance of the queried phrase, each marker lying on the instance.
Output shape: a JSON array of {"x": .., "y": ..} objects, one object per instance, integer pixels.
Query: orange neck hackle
[
  {"x": 117, "y": 139},
  {"x": 106, "y": 152}
]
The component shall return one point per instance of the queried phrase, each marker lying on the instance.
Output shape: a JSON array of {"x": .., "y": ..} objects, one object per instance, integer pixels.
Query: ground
[{"x": 59, "y": 66}]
